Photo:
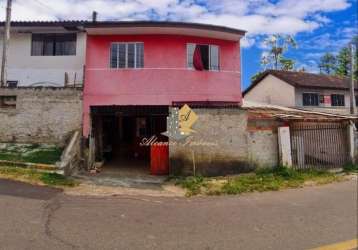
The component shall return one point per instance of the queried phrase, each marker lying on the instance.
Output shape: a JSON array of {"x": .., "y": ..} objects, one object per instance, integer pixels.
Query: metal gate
[{"x": 319, "y": 145}]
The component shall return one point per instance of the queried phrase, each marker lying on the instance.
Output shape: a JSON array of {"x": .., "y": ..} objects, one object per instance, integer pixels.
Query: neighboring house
[
  {"x": 45, "y": 53},
  {"x": 137, "y": 71},
  {"x": 302, "y": 90}
]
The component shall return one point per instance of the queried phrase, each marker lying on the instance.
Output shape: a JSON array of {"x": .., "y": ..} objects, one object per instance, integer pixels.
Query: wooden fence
[{"x": 319, "y": 145}]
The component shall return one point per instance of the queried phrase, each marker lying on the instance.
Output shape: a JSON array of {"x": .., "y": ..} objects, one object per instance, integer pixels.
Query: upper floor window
[
  {"x": 203, "y": 57},
  {"x": 310, "y": 99},
  {"x": 337, "y": 100},
  {"x": 12, "y": 84},
  {"x": 127, "y": 55},
  {"x": 7, "y": 101},
  {"x": 53, "y": 44}
]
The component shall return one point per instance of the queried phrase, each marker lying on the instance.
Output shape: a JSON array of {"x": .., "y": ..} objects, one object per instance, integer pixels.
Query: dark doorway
[{"x": 119, "y": 130}]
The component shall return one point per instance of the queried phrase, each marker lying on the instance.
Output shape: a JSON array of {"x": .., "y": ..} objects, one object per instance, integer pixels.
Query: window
[
  {"x": 310, "y": 99},
  {"x": 12, "y": 84},
  {"x": 337, "y": 100},
  {"x": 7, "y": 101},
  {"x": 209, "y": 56},
  {"x": 53, "y": 44},
  {"x": 127, "y": 55}
]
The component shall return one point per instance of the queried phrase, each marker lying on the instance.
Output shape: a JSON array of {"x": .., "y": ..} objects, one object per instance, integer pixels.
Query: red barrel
[{"x": 159, "y": 159}]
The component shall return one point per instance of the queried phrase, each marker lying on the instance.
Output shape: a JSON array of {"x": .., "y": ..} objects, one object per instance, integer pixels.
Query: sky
[{"x": 318, "y": 26}]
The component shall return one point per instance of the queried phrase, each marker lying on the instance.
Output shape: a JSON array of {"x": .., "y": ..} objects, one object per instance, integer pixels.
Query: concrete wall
[
  {"x": 47, "y": 115},
  {"x": 27, "y": 69},
  {"x": 272, "y": 90},
  {"x": 263, "y": 148},
  {"x": 231, "y": 146}
]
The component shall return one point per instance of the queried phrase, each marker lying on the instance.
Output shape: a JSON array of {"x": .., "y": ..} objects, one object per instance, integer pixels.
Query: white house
[
  {"x": 303, "y": 90},
  {"x": 45, "y": 53}
]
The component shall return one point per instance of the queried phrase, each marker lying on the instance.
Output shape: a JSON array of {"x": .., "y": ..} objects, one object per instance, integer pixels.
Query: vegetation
[
  {"x": 274, "y": 57},
  {"x": 262, "y": 180},
  {"x": 36, "y": 177},
  {"x": 327, "y": 64},
  {"x": 339, "y": 65},
  {"x": 351, "y": 168},
  {"x": 34, "y": 153}
]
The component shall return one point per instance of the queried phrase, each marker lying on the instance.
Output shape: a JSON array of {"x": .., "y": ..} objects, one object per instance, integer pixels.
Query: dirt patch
[{"x": 167, "y": 190}]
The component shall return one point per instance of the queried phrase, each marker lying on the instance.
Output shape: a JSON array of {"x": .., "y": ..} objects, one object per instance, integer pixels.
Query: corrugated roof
[{"x": 285, "y": 113}]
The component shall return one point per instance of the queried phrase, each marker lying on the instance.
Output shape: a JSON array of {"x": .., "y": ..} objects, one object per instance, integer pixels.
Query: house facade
[
  {"x": 45, "y": 53},
  {"x": 137, "y": 73},
  {"x": 44, "y": 58},
  {"x": 301, "y": 90}
]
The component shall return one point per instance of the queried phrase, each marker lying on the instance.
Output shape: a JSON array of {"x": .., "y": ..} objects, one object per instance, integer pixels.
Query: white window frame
[
  {"x": 210, "y": 45},
  {"x": 126, "y": 55}
]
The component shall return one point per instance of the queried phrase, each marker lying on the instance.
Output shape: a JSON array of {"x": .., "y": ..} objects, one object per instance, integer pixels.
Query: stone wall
[
  {"x": 41, "y": 115},
  {"x": 227, "y": 145}
]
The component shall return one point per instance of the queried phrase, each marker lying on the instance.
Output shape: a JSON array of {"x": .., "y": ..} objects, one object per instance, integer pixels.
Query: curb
[{"x": 29, "y": 165}]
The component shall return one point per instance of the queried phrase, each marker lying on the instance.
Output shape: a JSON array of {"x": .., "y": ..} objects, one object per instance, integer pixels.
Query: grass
[
  {"x": 36, "y": 177},
  {"x": 34, "y": 153},
  {"x": 260, "y": 181}
]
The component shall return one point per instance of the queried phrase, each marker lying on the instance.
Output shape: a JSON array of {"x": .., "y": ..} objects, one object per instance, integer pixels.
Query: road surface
[{"x": 45, "y": 218}]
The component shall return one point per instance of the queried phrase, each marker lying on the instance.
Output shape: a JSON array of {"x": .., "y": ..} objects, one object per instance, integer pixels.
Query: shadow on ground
[{"x": 25, "y": 190}]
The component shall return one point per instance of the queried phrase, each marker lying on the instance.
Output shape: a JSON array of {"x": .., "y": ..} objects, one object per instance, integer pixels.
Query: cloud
[{"x": 255, "y": 16}]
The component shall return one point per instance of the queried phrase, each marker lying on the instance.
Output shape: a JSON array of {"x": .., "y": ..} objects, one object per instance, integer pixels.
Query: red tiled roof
[{"x": 305, "y": 80}]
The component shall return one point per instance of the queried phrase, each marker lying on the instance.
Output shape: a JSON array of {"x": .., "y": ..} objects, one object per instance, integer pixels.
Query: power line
[{"x": 46, "y": 6}]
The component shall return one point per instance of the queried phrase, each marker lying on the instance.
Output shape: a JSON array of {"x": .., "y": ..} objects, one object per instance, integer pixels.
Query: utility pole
[
  {"x": 353, "y": 107},
  {"x": 5, "y": 43}
]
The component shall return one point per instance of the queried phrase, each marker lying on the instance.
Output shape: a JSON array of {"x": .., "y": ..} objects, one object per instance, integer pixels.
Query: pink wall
[{"x": 163, "y": 79}]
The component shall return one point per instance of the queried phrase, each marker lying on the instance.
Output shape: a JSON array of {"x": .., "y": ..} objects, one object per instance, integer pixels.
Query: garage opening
[{"x": 117, "y": 132}]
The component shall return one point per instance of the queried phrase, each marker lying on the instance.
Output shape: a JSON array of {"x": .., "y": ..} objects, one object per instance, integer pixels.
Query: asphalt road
[{"x": 44, "y": 218}]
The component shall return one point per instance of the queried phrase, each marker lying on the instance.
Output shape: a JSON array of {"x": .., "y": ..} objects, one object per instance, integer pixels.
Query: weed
[
  {"x": 262, "y": 180},
  {"x": 192, "y": 183},
  {"x": 33, "y": 153},
  {"x": 54, "y": 179}
]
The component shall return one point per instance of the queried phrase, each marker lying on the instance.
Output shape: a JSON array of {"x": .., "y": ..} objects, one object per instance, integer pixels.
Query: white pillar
[
  {"x": 351, "y": 141},
  {"x": 284, "y": 146}
]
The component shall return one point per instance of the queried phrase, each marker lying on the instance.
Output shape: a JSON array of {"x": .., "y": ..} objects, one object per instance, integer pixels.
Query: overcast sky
[{"x": 318, "y": 25}]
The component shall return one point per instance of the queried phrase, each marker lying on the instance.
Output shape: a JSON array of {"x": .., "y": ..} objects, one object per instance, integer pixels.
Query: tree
[
  {"x": 278, "y": 45},
  {"x": 327, "y": 64},
  {"x": 287, "y": 64},
  {"x": 343, "y": 62},
  {"x": 254, "y": 77}
]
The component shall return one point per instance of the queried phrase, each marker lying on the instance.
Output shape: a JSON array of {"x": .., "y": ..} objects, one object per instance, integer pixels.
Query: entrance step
[{"x": 145, "y": 182}]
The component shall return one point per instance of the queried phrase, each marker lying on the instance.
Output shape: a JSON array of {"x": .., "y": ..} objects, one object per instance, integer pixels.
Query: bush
[{"x": 351, "y": 167}]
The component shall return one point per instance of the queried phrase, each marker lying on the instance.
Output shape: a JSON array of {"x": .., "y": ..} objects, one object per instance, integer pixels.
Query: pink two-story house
[{"x": 137, "y": 71}]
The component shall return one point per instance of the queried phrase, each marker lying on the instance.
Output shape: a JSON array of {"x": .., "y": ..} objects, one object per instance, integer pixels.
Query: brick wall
[
  {"x": 41, "y": 115},
  {"x": 233, "y": 147}
]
